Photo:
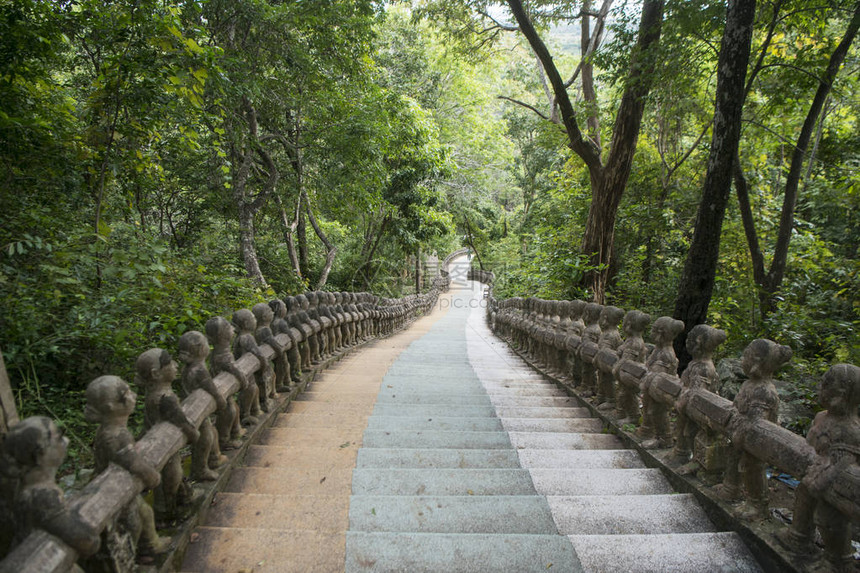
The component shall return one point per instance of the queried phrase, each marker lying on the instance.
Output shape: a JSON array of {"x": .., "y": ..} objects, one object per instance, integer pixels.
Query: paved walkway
[{"x": 439, "y": 450}]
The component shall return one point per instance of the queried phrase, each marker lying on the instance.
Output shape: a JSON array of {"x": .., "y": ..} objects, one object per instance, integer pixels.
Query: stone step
[
  {"x": 573, "y": 411},
  {"x": 393, "y": 458},
  {"x": 323, "y": 513},
  {"x": 286, "y": 481},
  {"x": 435, "y": 439},
  {"x": 534, "y": 391},
  {"x": 395, "y": 423},
  {"x": 629, "y": 515},
  {"x": 576, "y": 425},
  {"x": 380, "y": 481},
  {"x": 553, "y": 481},
  {"x": 433, "y": 387},
  {"x": 451, "y": 514},
  {"x": 532, "y": 401},
  {"x": 578, "y": 459},
  {"x": 669, "y": 553},
  {"x": 560, "y": 441},
  {"x": 387, "y": 396},
  {"x": 385, "y": 552},
  {"x": 291, "y": 456},
  {"x": 430, "y": 410},
  {"x": 331, "y": 438},
  {"x": 324, "y": 420}
]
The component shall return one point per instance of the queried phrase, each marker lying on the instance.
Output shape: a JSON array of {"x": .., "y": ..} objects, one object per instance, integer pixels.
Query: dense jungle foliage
[{"x": 164, "y": 162}]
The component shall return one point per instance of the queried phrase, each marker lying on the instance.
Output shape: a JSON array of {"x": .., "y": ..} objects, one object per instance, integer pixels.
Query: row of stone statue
[
  {"x": 301, "y": 332},
  {"x": 637, "y": 384}
]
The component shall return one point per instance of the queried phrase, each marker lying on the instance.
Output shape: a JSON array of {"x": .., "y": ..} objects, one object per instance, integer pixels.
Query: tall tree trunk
[
  {"x": 330, "y": 249},
  {"x": 471, "y": 242},
  {"x": 247, "y": 245},
  {"x": 289, "y": 230},
  {"x": 697, "y": 280}
]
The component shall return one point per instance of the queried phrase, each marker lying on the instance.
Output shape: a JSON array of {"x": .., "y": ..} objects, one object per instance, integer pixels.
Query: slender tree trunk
[
  {"x": 697, "y": 280},
  {"x": 418, "y": 270},
  {"x": 587, "y": 74},
  {"x": 471, "y": 242},
  {"x": 331, "y": 250},
  {"x": 289, "y": 230},
  {"x": 247, "y": 245}
]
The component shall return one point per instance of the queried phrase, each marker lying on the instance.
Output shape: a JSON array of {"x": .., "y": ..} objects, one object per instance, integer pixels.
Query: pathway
[{"x": 439, "y": 450}]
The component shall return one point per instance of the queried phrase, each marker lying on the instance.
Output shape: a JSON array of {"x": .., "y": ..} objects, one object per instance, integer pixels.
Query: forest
[{"x": 164, "y": 162}]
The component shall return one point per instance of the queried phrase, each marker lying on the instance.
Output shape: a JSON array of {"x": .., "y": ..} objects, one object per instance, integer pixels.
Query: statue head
[
  {"x": 591, "y": 313},
  {"x": 635, "y": 323},
  {"x": 279, "y": 309},
  {"x": 244, "y": 321},
  {"x": 109, "y": 398},
  {"x": 36, "y": 442},
  {"x": 762, "y": 357},
  {"x": 839, "y": 392},
  {"x": 219, "y": 331},
  {"x": 193, "y": 347},
  {"x": 154, "y": 367},
  {"x": 665, "y": 329},
  {"x": 304, "y": 304},
  {"x": 702, "y": 340},
  {"x": 610, "y": 316},
  {"x": 263, "y": 314}
]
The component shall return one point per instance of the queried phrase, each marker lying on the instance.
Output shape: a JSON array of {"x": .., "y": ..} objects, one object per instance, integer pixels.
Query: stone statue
[
  {"x": 220, "y": 335},
  {"x": 835, "y": 435},
  {"x": 206, "y": 454},
  {"x": 33, "y": 451},
  {"x": 155, "y": 372},
  {"x": 246, "y": 324},
  {"x": 700, "y": 373},
  {"x": 610, "y": 339},
  {"x": 591, "y": 333},
  {"x": 263, "y": 334},
  {"x": 757, "y": 399},
  {"x": 110, "y": 402},
  {"x": 294, "y": 317},
  {"x": 633, "y": 349},
  {"x": 575, "y": 329},
  {"x": 313, "y": 338},
  {"x": 655, "y": 428},
  {"x": 281, "y": 326}
]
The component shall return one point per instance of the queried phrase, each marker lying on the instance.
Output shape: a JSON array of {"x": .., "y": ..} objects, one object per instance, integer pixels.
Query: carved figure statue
[
  {"x": 313, "y": 338},
  {"x": 206, "y": 453},
  {"x": 298, "y": 320},
  {"x": 246, "y": 324},
  {"x": 110, "y": 402},
  {"x": 610, "y": 339},
  {"x": 220, "y": 335},
  {"x": 575, "y": 329},
  {"x": 700, "y": 373},
  {"x": 633, "y": 349},
  {"x": 835, "y": 435},
  {"x": 33, "y": 451},
  {"x": 281, "y": 326},
  {"x": 263, "y": 334},
  {"x": 655, "y": 424},
  {"x": 591, "y": 333},
  {"x": 155, "y": 372},
  {"x": 756, "y": 399}
]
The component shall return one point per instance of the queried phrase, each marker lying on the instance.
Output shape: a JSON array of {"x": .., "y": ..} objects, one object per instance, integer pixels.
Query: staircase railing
[
  {"x": 54, "y": 534},
  {"x": 731, "y": 442}
]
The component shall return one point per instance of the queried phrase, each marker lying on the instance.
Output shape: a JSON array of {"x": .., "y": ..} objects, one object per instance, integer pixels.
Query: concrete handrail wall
[
  {"x": 547, "y": 334},
  {"x": 446, "y": 264},
  {"x": 112, "y": 490}
]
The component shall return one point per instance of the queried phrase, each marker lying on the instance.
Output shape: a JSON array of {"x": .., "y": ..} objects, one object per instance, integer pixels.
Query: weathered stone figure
[
  {"x": 110, "y": 402},
  {"x": 835, "y": 435},
  {"x": 220, "y": 335},
  {"x": 574, "y": 330},
  {"x": 298, "y": 320},
  {"x": 32, "y": 453},
  {"x": 757, "y": 399},
  {"x": 632, "y": 349},
  {"x": 610, "y": 339},
  {"x": 699, "y": 374},
  {"x": 193, "y": 350},
  {"x": 155, "y": 372},
  {"x": 263, "y": 334},
  {"x": 246, "y": 324},
  {"x": 281, "y": 326},
  {"x": 591, "y": 333},
  {"x": 655, "y": 424}
]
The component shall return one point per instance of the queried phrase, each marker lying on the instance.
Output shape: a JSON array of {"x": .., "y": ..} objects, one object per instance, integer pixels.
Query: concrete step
[
  {"x": 323, "y": 513},
  {"x": 579, "y": 459},
  {"x": 534, "y": 391},
  {"x": 431, "y": 386},
  {"x": 380, "y": 481},
  {"x": 670, "y": 553},
  {"x": 395, "y": 423},
  {"x": 545, "y": 425},
  {"x": 600, "y": 482},
  {"x": 559, "y": 441},
  {"x": 435, "y": 439},
  {"x": 393, "y": 458},
  {"x": 288, "y": 481},
  {"x": 629, "y": 515},
  {"x": 304, "y": 438},
  {"x": 457, "y": 553},
  {"x": 291, "y": 456},
  {"x": 532, "y": 401},
  {"x": 572, "y": 411},
  {"x": 451, "y": 514},
  {"x": 430, "y": 410},
  {"x": 412, "y": 397}
]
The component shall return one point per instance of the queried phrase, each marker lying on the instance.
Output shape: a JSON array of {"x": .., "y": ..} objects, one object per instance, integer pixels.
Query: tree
[{"x": 697, "y": 280}]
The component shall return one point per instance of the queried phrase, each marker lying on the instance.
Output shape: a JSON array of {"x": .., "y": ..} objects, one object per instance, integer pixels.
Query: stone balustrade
[
  {"x": 635, "y": 386},
  {"x": 301, "y": 336}
]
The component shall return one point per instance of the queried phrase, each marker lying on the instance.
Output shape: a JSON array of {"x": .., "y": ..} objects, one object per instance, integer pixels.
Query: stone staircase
[
  {"x": 472, "y": 462},
  {"x": 440, "y": 450}
]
